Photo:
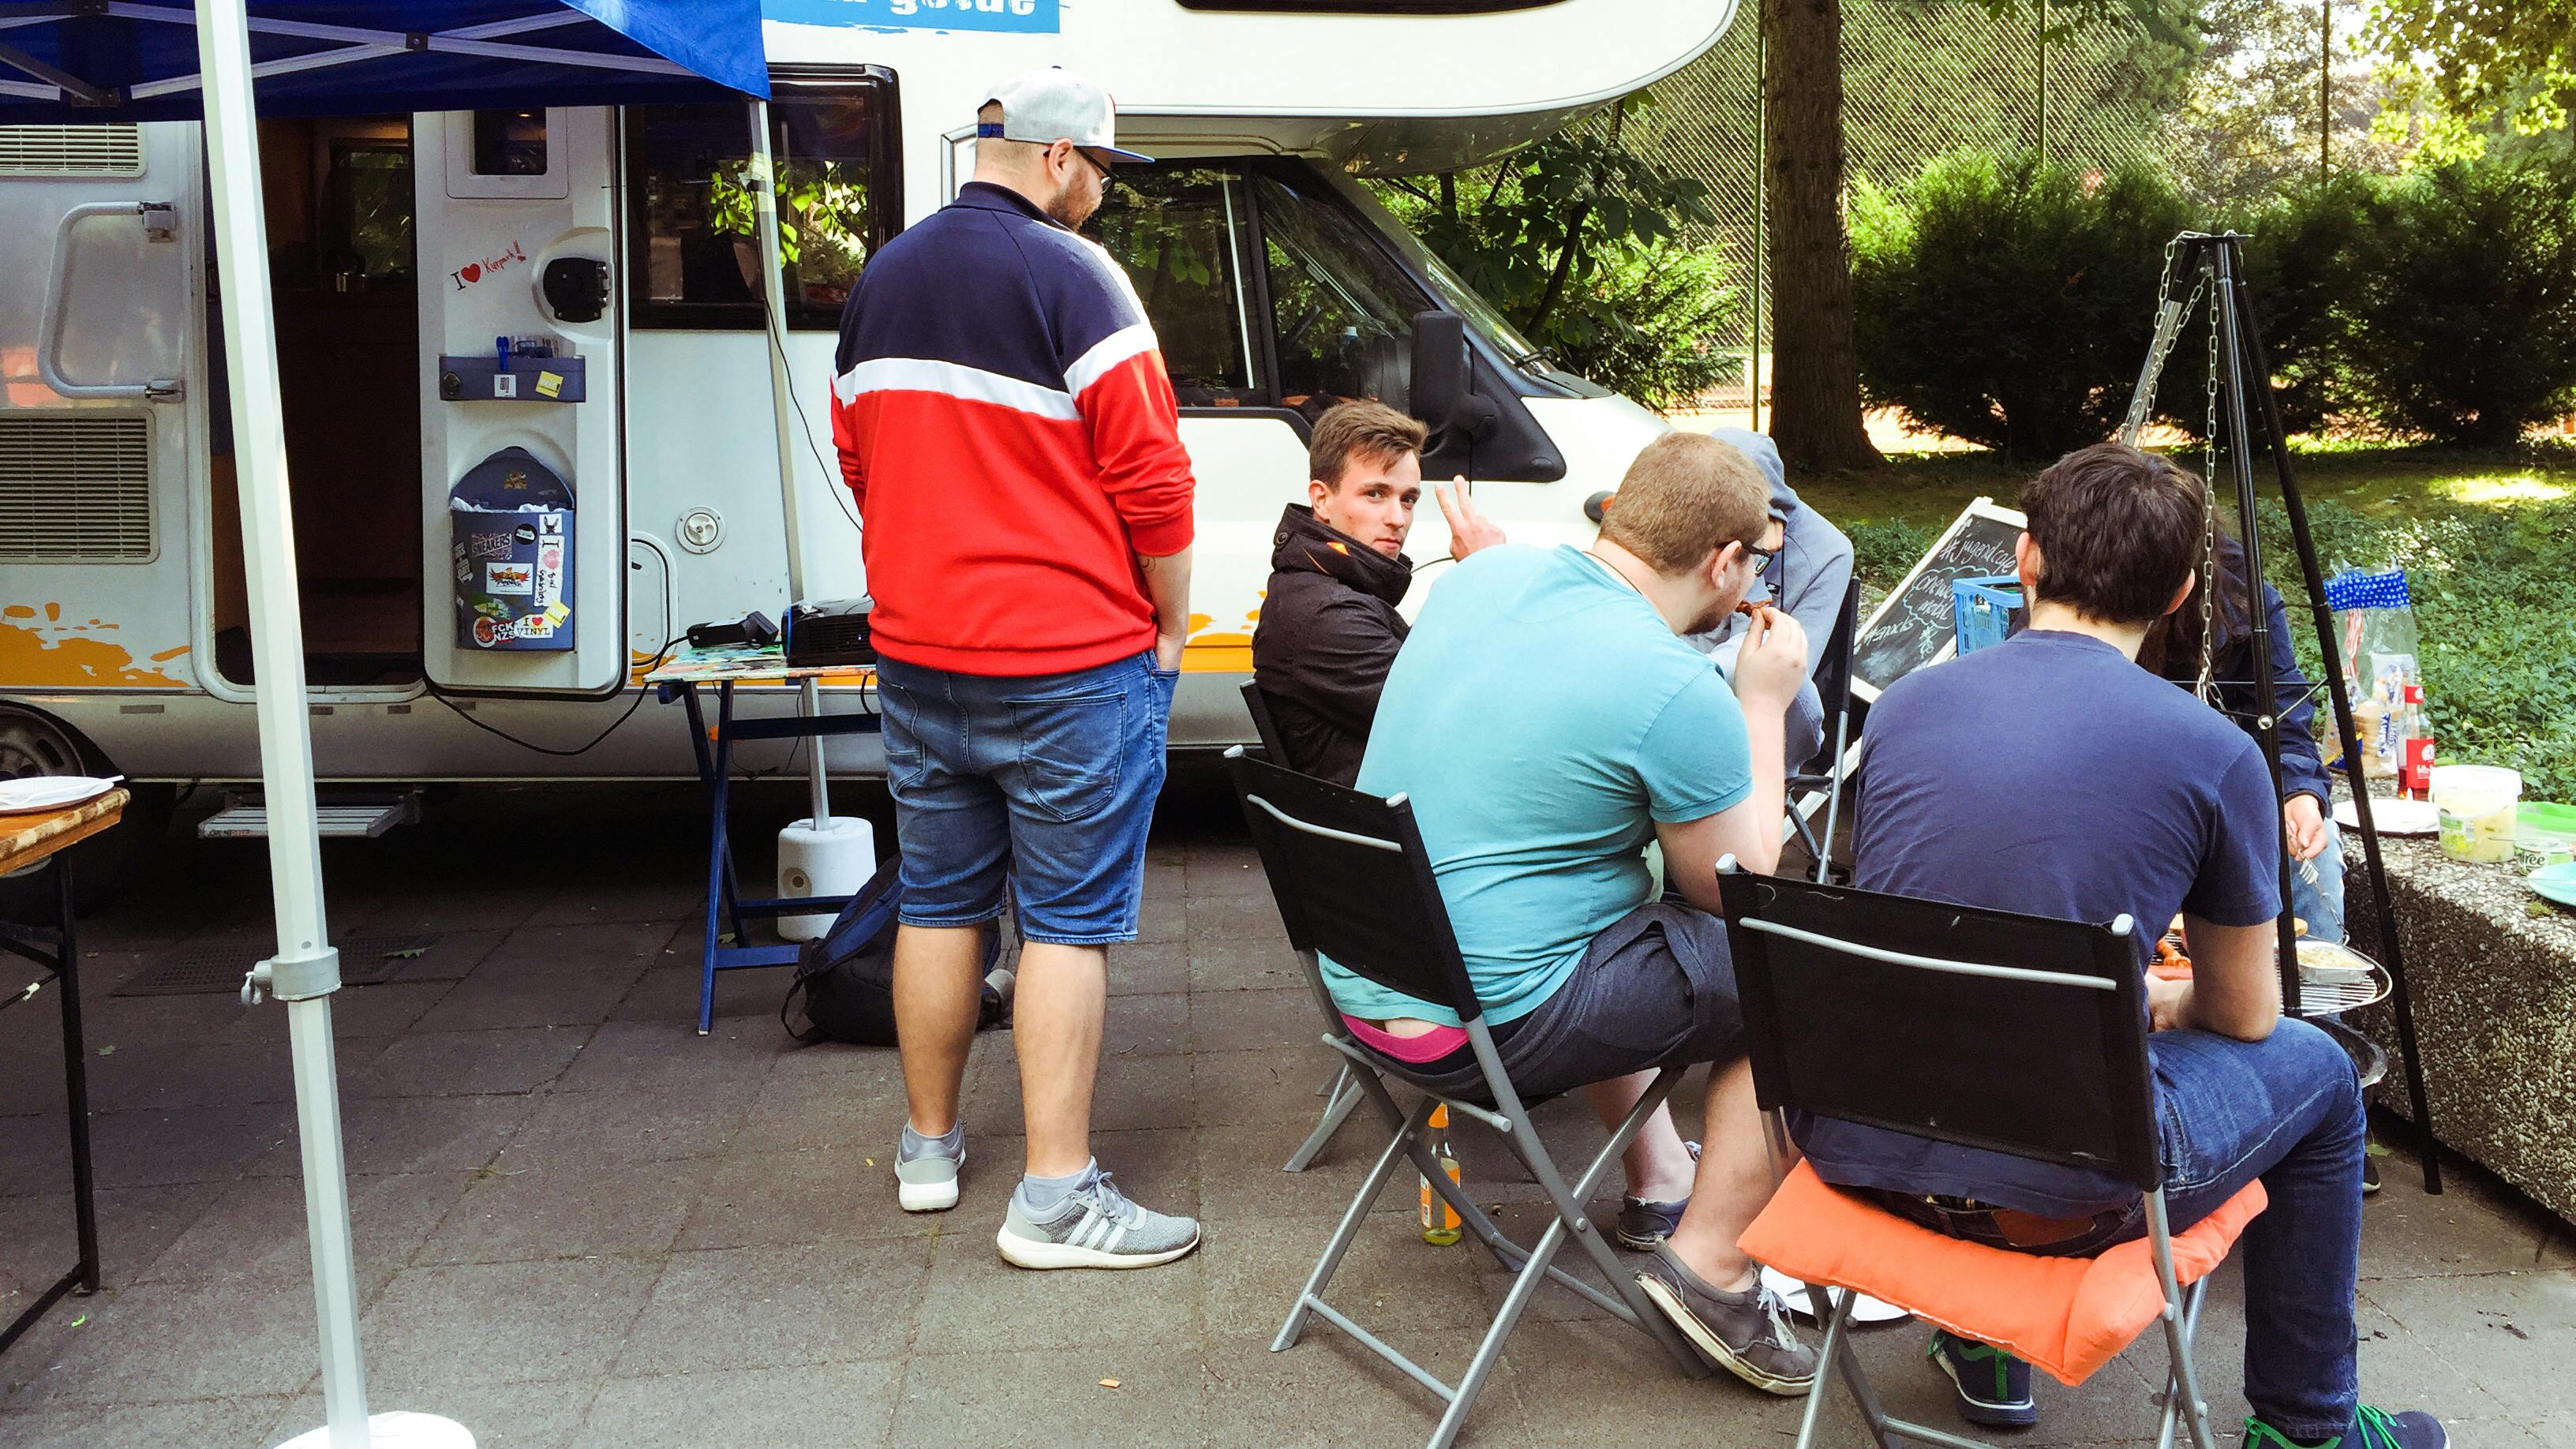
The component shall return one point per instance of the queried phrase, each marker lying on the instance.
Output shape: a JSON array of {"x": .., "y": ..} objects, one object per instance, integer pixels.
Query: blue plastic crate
[{"x": 1984, "y": 609}]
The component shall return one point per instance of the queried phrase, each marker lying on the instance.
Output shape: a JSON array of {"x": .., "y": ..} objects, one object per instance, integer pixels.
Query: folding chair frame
[{"x": 1530, "y": 1265}]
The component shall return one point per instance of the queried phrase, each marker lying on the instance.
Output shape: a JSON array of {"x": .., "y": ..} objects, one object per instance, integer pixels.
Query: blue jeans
[
  {"x": 2319, "y": 902},
  {"x": 2286, "y": 1109},
  {"x": 1047, "y": 780}
]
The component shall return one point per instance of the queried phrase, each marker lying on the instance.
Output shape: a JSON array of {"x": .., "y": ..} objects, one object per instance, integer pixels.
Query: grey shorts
[{"x": 1656, "y": 989}]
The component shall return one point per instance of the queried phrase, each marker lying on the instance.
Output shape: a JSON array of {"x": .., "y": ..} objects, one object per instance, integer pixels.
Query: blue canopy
[{"x": 136, "y": 60}]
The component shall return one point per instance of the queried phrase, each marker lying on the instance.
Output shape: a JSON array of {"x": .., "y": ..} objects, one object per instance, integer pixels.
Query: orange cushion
[{"x": 2070, "y": 1316}]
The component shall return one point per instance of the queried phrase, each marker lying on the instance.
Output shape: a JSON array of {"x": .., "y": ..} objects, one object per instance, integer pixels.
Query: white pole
[
  {"x": 782, "y": 403},
  {"x": 306, "y": 970}
]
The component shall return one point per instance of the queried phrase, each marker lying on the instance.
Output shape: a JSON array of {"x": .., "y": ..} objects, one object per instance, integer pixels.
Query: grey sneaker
[
  {"x": 1095, "y": 1227},
  {"x": 1746, "y": 1333},
  {"x": 928, "y": 1183},
  {"x": 1643, "y": 1224}
]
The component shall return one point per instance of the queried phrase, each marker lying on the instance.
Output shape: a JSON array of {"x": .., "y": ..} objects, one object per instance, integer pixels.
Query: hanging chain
[
  {"x": 2170, "y": 316},
  {"x": 2206, "y": 686}
]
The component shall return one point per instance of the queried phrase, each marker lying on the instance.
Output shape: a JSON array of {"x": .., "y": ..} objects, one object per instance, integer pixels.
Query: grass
[{"x": 2488, "y": 541}]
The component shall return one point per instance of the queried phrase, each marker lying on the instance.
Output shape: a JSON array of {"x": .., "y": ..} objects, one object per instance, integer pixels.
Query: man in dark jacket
[{"x": 1328, "y": 630}]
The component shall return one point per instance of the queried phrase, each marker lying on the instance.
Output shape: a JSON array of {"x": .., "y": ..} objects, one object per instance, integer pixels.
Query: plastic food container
[{"x": 2478, "y": 808}]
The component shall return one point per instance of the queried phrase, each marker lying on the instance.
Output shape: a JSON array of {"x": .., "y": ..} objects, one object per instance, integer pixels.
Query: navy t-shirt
[{"x": 2052, "y": 776}]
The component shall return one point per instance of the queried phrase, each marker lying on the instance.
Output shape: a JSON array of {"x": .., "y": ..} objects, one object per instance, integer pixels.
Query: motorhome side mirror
[{"x": 1442, "y": 374}]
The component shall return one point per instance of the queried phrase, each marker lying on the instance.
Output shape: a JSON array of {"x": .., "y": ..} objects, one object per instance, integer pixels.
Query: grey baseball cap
[{"x": 1053, "y": 104}]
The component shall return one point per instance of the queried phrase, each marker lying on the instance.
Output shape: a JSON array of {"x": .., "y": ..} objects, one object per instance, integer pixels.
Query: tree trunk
[{"x": 1815, "y": 383}]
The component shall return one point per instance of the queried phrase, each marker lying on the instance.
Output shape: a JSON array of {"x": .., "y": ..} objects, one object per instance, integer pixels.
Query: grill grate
[
  {"x": 114, "y": 148},
  {"x": 218, "y": 965},
  {"x": 75, "y": 488}
]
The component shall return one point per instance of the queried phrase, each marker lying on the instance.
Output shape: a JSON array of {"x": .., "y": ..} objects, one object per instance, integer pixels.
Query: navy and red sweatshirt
[{"x": 1005, "y": 423}]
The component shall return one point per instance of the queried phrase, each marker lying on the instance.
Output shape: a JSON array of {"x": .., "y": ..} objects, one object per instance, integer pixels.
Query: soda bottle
[
  {"x": 1440, "y": 1223},
  {"x": 2415, "y": 770}
]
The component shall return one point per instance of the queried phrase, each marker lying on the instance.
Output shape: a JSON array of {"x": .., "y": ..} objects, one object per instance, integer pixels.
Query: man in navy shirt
[{"x": 2051, "y": 775}]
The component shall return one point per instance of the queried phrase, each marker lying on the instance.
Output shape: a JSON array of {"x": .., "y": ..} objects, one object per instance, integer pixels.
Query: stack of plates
[{"x": 51, "y": 792}]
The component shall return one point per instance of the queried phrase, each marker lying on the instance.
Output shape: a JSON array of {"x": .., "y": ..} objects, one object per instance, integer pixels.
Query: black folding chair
[
  {"x": 1825, "y": 771},
  {"x": 1341, "y": 1094},
  {"x": 1883, "y": 1010},
  {"x": 1354, "y": 883}
]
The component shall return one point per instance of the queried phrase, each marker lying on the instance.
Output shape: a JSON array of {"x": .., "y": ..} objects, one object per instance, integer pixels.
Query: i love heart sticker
[{"x": 471, "y": 271}]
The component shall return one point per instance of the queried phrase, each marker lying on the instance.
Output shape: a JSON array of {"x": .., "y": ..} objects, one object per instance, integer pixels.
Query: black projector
[{"x": 833, "y": 631}]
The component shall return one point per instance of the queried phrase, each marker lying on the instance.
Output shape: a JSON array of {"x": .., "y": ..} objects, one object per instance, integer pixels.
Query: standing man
[{"x": 1005, "y": 423}]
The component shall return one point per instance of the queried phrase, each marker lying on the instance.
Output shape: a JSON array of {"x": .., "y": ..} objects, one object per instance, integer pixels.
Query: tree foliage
[
  {"x": 2483, "y": 61},
  {"x": 1578, "y": 240}
]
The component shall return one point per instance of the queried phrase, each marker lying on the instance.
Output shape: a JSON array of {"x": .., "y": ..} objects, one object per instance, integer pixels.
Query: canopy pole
[
  {"x": 763, "y": 184},
  {"x": 306, "y": 970}
]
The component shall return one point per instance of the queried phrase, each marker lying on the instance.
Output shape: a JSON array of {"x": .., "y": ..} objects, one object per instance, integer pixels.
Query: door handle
[{"x": 159, "y": 225}]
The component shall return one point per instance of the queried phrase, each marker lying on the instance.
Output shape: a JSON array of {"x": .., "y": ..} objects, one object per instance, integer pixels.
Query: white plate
[
  {"x": 51, "y": 792},
  {"x": 2393, "y": 817},
  {"x": 1868, "y": 1310}
]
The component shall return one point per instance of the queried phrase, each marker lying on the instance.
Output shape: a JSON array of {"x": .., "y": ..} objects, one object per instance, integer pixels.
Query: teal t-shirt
[{"x": 1542, "y": 717}]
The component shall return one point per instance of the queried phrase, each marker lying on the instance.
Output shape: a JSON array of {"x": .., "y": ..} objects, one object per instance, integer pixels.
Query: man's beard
[
  {"x": 1068, "y": 206},
  {"x": 1710, "y": 619}
]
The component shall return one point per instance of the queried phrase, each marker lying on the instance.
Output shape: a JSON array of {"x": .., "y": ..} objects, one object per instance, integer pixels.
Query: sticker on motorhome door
[
  {"x": 507, "y": 578},
  {"x": 1025, "y": 17},
  {"x": 475, "y": 271}
]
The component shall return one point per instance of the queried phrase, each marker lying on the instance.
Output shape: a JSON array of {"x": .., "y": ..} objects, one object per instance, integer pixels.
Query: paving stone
[
  {"x": 129, "y": 1021},
  {"x": 156, "y": 1342},
  {"x": 489, "y": 1323},
  {"x": 391, "y": 1136},
  {"x": 610, "y": 945},
  {"x": 637, "y": 1056},
  {"x": 1149, "y": 967},
  {"x": 1146, "y": 1024},
  {"x": 38, "y": 1242},
  {"x": 142, "y": 1426},
  {"x": 2510, "y": 1335},
  {"x": 999, "y": 1400},
  {"x": 2470, "y": 1228},
  {"x": 471, "y": 1063},
  {"x": 1398, "y": 1286},
  {"x": 513, "y": 1214},
  {"x": 668, "y": 992},
  {"x": 597, "y": 1129},
  {"x": 1240, "y": 1178},
  {"x": 1243, "y": 964},
  {"x": 1247, "y": 1087},
  {"x": 423, "y": 911},
  {"x": 783, "y": 1198},
  {"x": 171, "y": 1074},
  {"x": 544, "y": 1415},
  {"x": 1277, "y": 1020},
  {"x": 845, "y": 1405},
  {"x": 758, "y": 1308},
  {"x": 1128, "y": 1093},
  {"x": 452, "y": 953},
  {"x": 1566, "y": 1373},
  {"x": 1329, "y": 1391},
  {"x": 256, "y": 1229},
  {"x": 529, "y": 996},
  {"x": 1164, "y": 917},
  {"x": 977, "y": 1303},
  {"x": 387, "y": 1008},
  {"x": 652, "y": 897},
  {"x": 184, "y": 1144},
  {"x": 862, "y": 1107}
]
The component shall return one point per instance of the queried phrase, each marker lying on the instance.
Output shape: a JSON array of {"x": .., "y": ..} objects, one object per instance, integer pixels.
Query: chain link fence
[{"x": 1920, "y": 78}]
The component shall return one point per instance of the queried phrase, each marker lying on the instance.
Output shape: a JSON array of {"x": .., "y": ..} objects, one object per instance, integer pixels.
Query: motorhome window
[
  {"x": 1180, "y": 233},
  {"x": 1342, "y": 309},
  {"x": 695, "y": 238},
  {"x": 1469, "y": 303},
  {"x": 509, "y": 143},
  {"x": 367, "y": 214}
]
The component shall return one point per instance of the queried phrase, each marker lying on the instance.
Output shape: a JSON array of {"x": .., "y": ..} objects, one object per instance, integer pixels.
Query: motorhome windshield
[{"x": 1482, "y": 315}]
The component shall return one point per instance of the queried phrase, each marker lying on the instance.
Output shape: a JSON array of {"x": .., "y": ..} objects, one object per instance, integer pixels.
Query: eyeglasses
[
  {"x": 1761, "y": 557},
  {"x": 1100, "y": 166}
]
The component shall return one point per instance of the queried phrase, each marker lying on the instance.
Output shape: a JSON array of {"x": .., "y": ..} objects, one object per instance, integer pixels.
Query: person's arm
[
  {"x": 1167, "y": 585},
  {"x": 1339, "y": 664},
  {"x": 1816, "y": 571},
  {"x": 1768, "y": 670},
  {"x": 2302, "y": 772},
  {"x": 2235, "y": 985},
  {"x": 2231, "y": 916}
]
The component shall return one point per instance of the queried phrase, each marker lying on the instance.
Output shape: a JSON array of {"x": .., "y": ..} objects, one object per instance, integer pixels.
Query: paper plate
[
  {"x": 1868, "y": 1310},
  {"x": 2555, "y": 883},
  {"x": 2393, "y": 817},
  {"x": 51, "y": 792}
]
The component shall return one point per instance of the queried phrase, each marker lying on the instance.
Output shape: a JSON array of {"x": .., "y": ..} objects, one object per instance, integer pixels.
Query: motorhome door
[
  {"x": 101, "y": 236},
  {"x": 523, "y": 516}
]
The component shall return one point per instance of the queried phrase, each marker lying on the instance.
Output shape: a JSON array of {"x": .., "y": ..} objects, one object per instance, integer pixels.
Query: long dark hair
[{"x": 2172, "y": 647}]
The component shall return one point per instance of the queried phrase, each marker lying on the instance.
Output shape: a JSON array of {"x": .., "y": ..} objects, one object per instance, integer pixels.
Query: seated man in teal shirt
[{"x": 1548, "y": 722}]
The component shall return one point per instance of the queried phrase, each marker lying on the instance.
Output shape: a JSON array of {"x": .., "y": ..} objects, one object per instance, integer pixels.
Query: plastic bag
[{"x": 2377, "y": 637}]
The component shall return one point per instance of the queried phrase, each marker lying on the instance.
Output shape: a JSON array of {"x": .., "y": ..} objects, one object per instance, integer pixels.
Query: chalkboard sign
[{"x": 1915, "y": 624}]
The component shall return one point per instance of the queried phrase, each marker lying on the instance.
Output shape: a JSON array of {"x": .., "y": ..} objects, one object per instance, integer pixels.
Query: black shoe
[
  {"x": 2371, "y": 1429},
  {"x": 1994, "y": 1386}
]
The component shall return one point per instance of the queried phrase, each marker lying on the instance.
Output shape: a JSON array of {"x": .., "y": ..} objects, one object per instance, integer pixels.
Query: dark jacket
[
  {"x": 1327, "y": 635},
  {"x": 2301, "y": 771}
]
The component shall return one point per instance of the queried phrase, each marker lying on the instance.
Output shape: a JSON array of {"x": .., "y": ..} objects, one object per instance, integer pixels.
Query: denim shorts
[{"x": 1045, "y": 780}]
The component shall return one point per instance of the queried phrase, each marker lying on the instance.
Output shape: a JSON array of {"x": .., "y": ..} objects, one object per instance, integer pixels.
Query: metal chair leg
[
  {"x": 1827, "y": 1358},
  {"x": 1352, "y": 1219},
  {"x": 1345, "y": 1095},
  {"x": 2191, "y": 1300}
]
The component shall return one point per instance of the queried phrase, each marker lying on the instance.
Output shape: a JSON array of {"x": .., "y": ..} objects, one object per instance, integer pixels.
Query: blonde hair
[{"x": 1686, "y": 496}]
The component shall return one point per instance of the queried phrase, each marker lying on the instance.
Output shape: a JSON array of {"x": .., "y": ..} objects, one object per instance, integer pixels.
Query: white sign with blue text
[{"x": 1025, "y": 17}]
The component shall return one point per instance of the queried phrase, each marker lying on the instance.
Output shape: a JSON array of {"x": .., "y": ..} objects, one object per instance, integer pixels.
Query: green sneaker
[{"x": 2371, "y": 1429}]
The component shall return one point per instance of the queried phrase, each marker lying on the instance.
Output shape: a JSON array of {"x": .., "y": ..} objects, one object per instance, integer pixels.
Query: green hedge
[{"x": 2009, "y": 303}]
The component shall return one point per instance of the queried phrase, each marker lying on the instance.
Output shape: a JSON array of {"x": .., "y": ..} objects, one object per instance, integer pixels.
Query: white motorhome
[{"x": 617, "y": 246}]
